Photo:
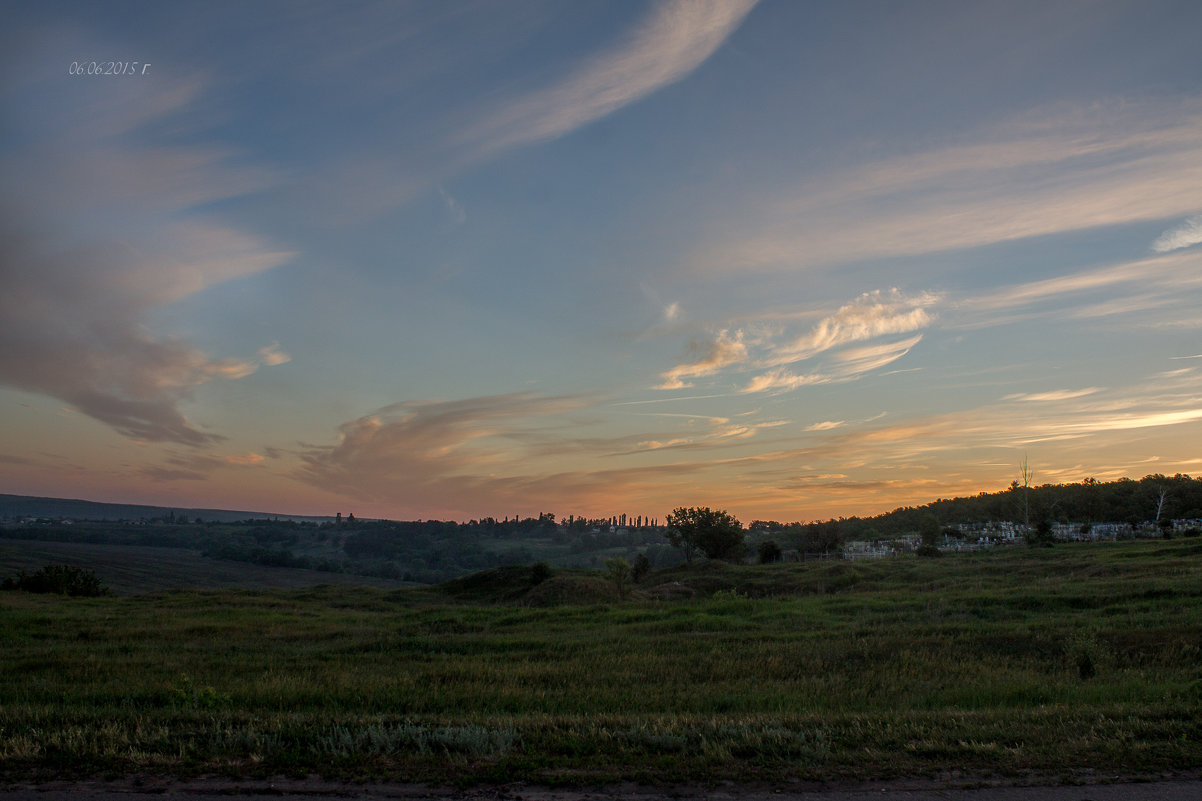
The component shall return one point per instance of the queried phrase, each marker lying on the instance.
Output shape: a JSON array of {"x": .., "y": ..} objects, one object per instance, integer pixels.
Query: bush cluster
[{"x": 59, "y": 579}]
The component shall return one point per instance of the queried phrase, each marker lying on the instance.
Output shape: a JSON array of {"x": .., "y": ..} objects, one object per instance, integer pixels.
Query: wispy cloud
[
  {"x": 1157, "y": 269},
  {"x": 406, "y": 447},
  {"x": 97, "y": 234},
  {"x": 675, "y": 39},
  {"x": 1057, "y": 171},
  {"x": 671, "y": 41},
  {"x": 857, "y": 361},
  {"x": 1127, "y": 305},
  {"x": 782, "y": 380},
  {"x": 1162, "y": 284},
  {"x": 1183, "y": 236},
  {"x": 1053, "y": 395},
  {"x": 655, "y": 444},
  {"x": 454, "y": 210},
  {"x": 457, "y": 459},
  {"x": 199, "y": 466},
  {"x": 846, "y": 365},
  {"x": 976, "y": 436},
  {"x": 271, "y": 355},
  {"x": 475, "y": 455},
  {"x": 709, "y": 418},
  {"x": 230, "y": 369},
  {"x": 71, "y": 328},
  {"x": 870, "y": 316},
  {"x": 196, "y": 466},
  {"x": 724, "y": 350},
  {"x": 250, "y": 459},
  {"x": 1130, "y": 422},
  {"x": 720, "y": 433}
]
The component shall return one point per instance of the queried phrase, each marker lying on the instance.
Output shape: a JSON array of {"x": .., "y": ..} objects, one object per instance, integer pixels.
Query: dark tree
[
  {"x": 620, "y": 574},
  {"x": 641, "y": 567},
  {"x": 769, "y": 551},
  {"x": 929, "y": 530},
  {"x": 540, "y": 572},
  {"x": 1042, "y": 535},
  {"x": 696, "y": 529}
]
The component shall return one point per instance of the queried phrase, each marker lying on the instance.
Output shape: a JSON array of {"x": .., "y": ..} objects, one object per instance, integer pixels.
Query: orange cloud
[
  {"x": 723, "y": 351},
  {"x": 271, "y": 355}
]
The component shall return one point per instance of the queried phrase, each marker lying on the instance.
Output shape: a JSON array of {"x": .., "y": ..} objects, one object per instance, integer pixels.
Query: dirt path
[{"x": 1178, "y": 789}]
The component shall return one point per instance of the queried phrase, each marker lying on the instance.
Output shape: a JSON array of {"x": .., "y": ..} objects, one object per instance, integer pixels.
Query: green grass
[{"x": 1006, "y": 663}]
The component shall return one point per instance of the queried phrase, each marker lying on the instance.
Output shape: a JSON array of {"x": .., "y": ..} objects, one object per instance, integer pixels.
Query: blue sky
[{"x": 455, "y": 259}]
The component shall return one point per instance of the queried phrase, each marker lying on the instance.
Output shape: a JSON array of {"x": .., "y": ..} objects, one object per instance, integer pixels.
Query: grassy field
[
  {"x": 1004, "y": 663},
  {"x": 133, "y": 569}
]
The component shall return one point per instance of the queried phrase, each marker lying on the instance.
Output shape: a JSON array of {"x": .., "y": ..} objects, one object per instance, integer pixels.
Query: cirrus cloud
[
  {"x": 99, "y": 231},
  {"x": 1049, "y": 172},
  {"x": 675, "y": 39},
  {"x": 406, "y": 448},
  {"x": 870, "y": 316},
  {"x": 1183, "y": 236},
  {"x": 724, "y": 350}
]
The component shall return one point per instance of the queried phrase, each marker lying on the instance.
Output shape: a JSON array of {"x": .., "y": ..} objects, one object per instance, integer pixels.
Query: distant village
[{"x": 979, "y": 536}]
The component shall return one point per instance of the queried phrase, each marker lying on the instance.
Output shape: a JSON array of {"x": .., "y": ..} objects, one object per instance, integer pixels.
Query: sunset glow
[{"x": 795, "y": 260}]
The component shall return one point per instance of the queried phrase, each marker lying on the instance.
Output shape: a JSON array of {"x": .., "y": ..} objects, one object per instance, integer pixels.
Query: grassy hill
[
  {"x": 18, "y": 506},
  {"x": 132, "y": 569},
  {"x": 1003, "y": 664}
]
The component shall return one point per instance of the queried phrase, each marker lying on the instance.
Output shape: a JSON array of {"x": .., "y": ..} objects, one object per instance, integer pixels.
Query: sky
[{"x": 447, "y": 259}]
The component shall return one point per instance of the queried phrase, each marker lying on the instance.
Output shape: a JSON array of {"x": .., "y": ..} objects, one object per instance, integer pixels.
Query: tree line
[
  {"x": 434, "y": 551},
  {"x": 1147, "y": 500}
]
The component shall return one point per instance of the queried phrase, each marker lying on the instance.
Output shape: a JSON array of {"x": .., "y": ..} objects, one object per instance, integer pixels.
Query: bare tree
[
  {"x": 1161, "y": 498},
  {"x": 1024, "y": 470}
]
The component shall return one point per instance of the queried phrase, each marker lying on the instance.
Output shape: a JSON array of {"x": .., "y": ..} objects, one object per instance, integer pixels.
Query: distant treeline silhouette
[
  {"x": 431, "y": 551},
  {"x": 1126, "y": 500}
]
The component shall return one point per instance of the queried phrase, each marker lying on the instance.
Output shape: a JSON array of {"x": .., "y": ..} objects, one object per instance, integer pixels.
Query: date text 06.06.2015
[{"x": 108, "y": 68}]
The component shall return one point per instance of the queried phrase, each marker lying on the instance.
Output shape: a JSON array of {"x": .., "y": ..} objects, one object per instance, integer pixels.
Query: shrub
[
  {"x": 1042, "y": 535},
  {"x": 1086, "y": 655},
  {"x": 571, "y": 589},
  {"x": 769, "y": 551},
  {"x": 641, "y": 567},
  {"x": 619, "y": 574},
  {"x": 540, "y": 573},
  {"x": 60, "y": 579},
  {"x": 188, "y": 695}
]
